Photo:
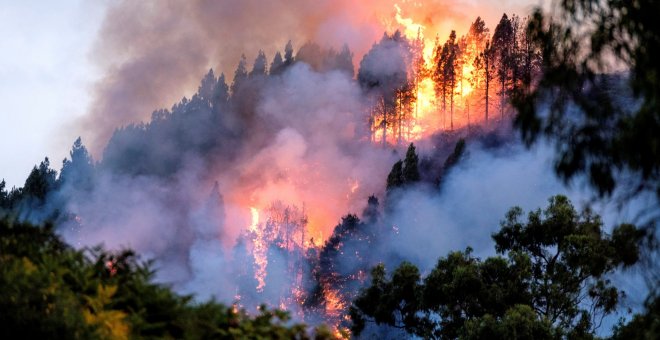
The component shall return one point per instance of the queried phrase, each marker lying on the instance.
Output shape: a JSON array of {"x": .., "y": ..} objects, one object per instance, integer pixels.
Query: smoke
[
  {"x": 477, "y": 193},
  {"x": 475, "y": 196},
  {"x": 297, "y": 137},
  {"x": 302, "y": 147},
  {"x": 152, "y": 52}
]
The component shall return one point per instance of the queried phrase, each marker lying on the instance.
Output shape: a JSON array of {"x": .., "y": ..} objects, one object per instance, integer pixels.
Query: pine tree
[
  {"x": 502, "y": 45},
  {"x": 370, "y": 213},
  {"x": 40, "y": 182},
  {"x": 476, "y": 43},
  {"x": 239, "y": 75},
  {"x": 4, "y": 196},
  {"x": 205, "y": 89},
  {"x": 440, "y": 77},
  {"x": 530, "y": 56},
  {"x": 78, "y": 171},
  {"x": 277, "y": 64},
  {"x": 288, "y": 54},
  {"x": 485, "y": 66},
  {"x": 449, "y": 71},
  {"x": 259, "y": 66},
  {"x": 395, "y": 178},
  {"x": 478, "y": 34},
  {"x": 344, "y": 61},
  {"x": 410, "y": 173},
  {"x": 220, "y": 95}
]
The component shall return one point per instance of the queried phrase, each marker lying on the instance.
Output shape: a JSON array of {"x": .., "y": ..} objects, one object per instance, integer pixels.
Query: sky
[{"x": 45, "y": 76}]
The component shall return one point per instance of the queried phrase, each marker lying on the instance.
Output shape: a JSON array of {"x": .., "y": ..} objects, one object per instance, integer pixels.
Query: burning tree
[
  {"x": 386, "y": 75},
  {"x": 446, "y": 74},
  {"x": 416, "y": 90},
  {"x": 277, "y": 247},
  {"x": 341, "y": 264}
]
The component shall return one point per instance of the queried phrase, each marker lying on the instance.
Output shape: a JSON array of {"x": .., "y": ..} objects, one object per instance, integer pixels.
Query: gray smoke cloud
[
  {"x": 150, "y": 53},
  {"x": 301, "y": 148},
  {"x": 153, "y": 52}
]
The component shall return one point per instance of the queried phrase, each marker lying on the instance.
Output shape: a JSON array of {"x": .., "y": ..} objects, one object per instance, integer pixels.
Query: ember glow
[
  {"x": 420, "y": 109},
  {"x": 259, "y": 249},
  {"x": 296, "y": 153}
]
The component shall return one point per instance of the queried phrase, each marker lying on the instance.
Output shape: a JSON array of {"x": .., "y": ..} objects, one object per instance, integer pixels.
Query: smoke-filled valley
[{"x": 285, "y": 178}]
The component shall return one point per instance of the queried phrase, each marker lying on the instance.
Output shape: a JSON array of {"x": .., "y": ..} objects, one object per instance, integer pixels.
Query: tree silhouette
[
  {"x": 610, "y": 133},
  {"x": 259, "y": 66},
  {"x": 502, "y": 45},
  {"x": 239, "y": 75},
  {"x": 277, "y": 64},
  {"x": 410, "y": 172},
  {"x": 77, "y": 172},
  {"x": 552, "y": 283}
]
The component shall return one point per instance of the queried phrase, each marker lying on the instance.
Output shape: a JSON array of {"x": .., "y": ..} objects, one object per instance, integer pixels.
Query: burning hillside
[
  {"x": 275, "y": 183},
  {"x": 331, "y": 151}
]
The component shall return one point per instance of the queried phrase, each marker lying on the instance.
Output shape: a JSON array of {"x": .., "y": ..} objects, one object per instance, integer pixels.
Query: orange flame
[
  {"x": 429, "y": 115},
  {"x": 260, "y": 249}
]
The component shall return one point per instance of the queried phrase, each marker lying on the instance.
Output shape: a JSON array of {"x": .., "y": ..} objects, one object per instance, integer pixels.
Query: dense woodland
[{"x": 550, "y": 279}]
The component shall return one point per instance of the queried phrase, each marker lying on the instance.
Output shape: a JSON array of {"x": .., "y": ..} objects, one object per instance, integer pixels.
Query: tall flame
[
  {"x": 411, "y": 28},
  {"x": 289, "y": 229},
  {"x": 432, "y": 112},
  {"x": 260, "y": 249}
]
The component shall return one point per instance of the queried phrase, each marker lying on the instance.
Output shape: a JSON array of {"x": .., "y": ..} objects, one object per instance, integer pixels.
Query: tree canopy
[
  {"x": 52, "y": 291},
  {"x": 602, "y": 128},
  {"x": 550, "y": 281}
]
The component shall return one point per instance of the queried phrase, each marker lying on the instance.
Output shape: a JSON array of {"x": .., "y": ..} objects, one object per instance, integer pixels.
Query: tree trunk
[
  {"x": 487, "y": 89},
  {"x": 451, "y": 107},
  {"x": 384, "y": 122}
]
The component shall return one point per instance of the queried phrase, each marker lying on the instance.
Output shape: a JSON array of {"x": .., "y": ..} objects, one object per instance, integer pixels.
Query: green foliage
[
  {"x": 40, "y": 182},
  {"x": 6, "y": 198},
  {"x": 551, "y": 283},
  {"x": 604, "y": 124},
  {"x": 645, "y": 325},
  {"x": 393, "y": 302},
  {"x": 570, "y": 256},
  {"x": 601, "y": 129},
  {"x": 518, "y": 322},
  {"x": 53, "y": 291},
  {"x": 29, "y": 202},
  {"x": 37, "y": 273}
]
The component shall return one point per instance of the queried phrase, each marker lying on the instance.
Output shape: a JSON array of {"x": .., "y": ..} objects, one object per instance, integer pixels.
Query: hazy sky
[{"x": 46, "y": 74}]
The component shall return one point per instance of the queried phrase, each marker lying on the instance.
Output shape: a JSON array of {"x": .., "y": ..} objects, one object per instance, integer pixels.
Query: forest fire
[
  {"x": 448, "y": 85},
  {"x": 433, "y": 87},
  {"x": 338, "y": 171},
  {"x": 259, "y": 249},
  {"x": 300, "y": 151}
]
